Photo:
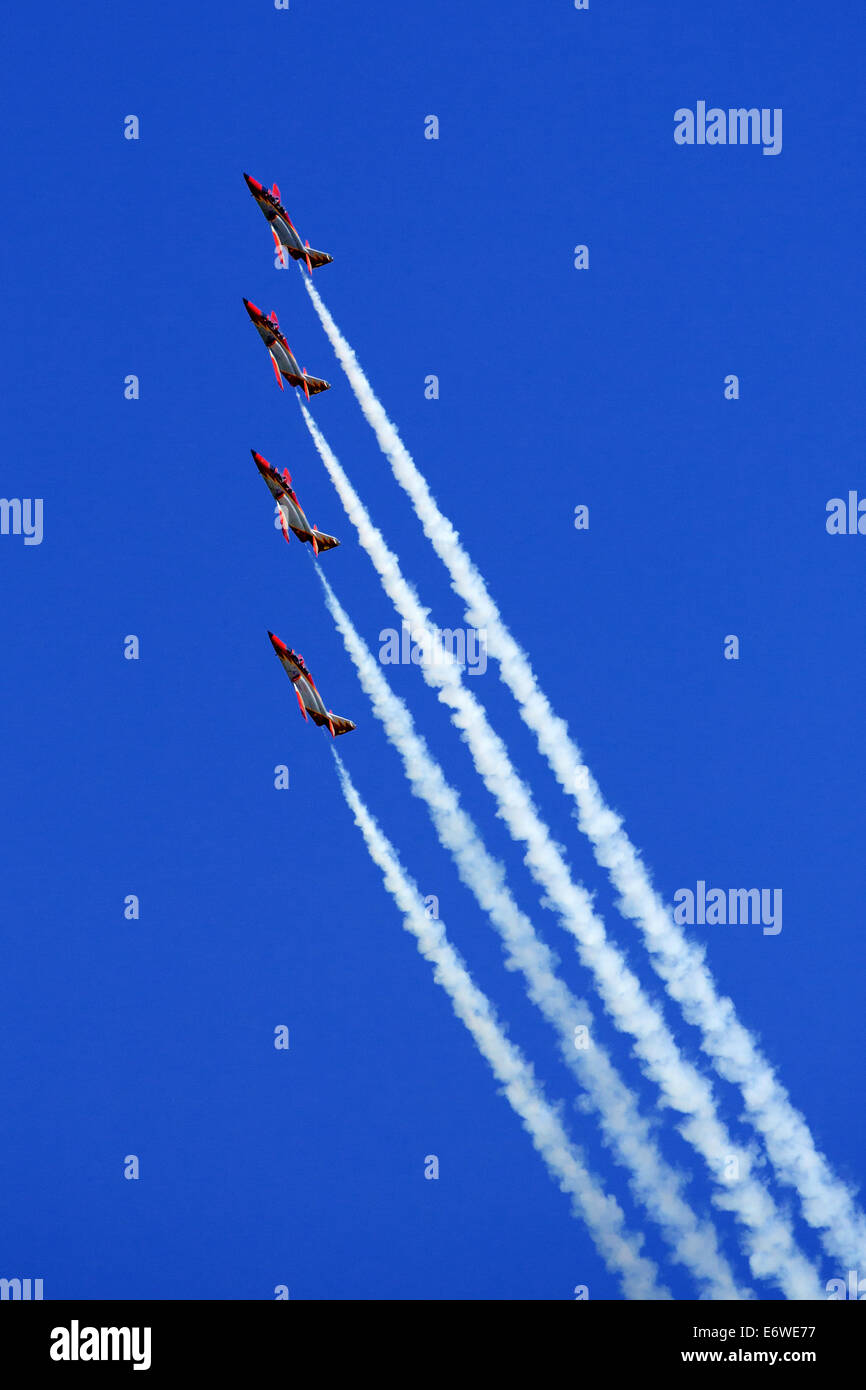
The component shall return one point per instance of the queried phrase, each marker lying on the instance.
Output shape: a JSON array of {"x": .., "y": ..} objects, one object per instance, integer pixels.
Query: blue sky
[{"x": 557, "y": 387}]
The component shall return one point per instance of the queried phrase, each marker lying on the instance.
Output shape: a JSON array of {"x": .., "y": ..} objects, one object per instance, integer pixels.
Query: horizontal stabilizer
[
  {"x": 325, "y": 542},
  {"x": 318, "y": 258},
  {"x": 322, "y": 541},
  {"x": 340, "y": 726},
  {"x": 300, "y": 253},
  {"x": 314, "y": 384}
]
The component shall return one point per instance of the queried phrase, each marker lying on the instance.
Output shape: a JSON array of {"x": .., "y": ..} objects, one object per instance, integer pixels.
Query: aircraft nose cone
[
  {"x": 252, "y": 309},
  {"x": 253, "y": 184}
]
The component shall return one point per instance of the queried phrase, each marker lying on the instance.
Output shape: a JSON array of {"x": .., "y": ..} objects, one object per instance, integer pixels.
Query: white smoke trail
[
  {"x": 654, "y": 1183},
  {"x": 601, "y": 1213},
  {"x": 828, "y": 1205},
  {"x": 768, "y": 1237}
]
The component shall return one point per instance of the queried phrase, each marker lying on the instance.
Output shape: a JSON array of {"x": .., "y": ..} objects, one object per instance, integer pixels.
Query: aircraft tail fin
[
  {"x": 316, "y": 258},
  {"x": 300, "y": 252},
  {"x": 312, "y": 384},
  {"x": 341, "y": 726},
  {"x": 323, "y": 542},
  {"x": 333, "y": 721}
]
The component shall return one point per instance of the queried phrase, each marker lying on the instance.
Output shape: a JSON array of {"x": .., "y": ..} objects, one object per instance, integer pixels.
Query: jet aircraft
[
  {"x": 280, "y": 353},
  {"x": 291, "y": 512},
  {"x": 283, "y": 229},
  {"x": 309, "y": 698}
]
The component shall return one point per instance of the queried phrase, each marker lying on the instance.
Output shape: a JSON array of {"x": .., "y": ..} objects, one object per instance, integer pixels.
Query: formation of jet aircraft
[{"x": 291, "y": 513}]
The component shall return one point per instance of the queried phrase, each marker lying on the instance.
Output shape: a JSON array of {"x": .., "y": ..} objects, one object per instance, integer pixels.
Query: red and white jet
[
  {"x": 309, "y": 698},
  {"x": 280, "y": 353},
  {"x": 291, "y": 512},
  {"x": 283, "y": 229}
]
